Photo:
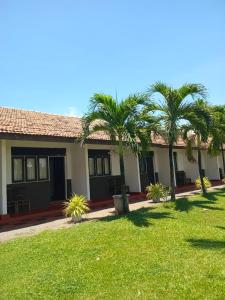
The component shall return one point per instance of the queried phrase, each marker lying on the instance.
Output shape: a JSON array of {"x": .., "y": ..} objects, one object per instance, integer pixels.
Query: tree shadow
[
  {"x": 207, "y": 244},
  {"x": 220, "y": 227},
  {"x": 184, "y": 204},
  {"x": 210, "y": 196},
  {"x": 141, "y": 217},
  {"x": 216, "y": 192}
]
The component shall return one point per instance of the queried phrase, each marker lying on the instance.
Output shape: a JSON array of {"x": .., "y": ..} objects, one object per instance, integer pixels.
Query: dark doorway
[
  {"x": 57, "y": 178},
  {"x": 147, "y": 173}
]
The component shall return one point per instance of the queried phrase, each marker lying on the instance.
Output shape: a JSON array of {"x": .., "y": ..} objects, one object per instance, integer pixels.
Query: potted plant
[
  {"x": 155, "y": 192},
  {"x": 206, "y": 181},
  {"x": 75, "y": 207}
]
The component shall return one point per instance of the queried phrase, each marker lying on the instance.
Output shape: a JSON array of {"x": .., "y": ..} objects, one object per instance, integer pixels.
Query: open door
[{"x": 57, "y": 178}]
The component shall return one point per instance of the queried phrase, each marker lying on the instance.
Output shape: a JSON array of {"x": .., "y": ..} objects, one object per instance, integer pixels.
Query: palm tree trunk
[
  {"x": 200, "y": 172},
  {"x": 123, "y": 186},
  {"x": 172, "y": 179},
  {"x": 222, "y": 151},
  {"x": 122, "y": 170}
]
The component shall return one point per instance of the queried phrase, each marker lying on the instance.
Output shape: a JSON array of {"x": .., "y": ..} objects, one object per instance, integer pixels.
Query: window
[
  {"x": 99, "y": 163},
  {"x": 18, "y": 169},
  {"x": 91, "y": 163},
  {"x": 31, "y": 168},
  {"x": 99, "y": 166},
  {"x": 106, "y": 165},
  {"x": 42, "y": 168}
]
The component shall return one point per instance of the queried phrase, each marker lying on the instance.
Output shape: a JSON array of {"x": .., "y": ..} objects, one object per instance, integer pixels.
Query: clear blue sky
[{"x": 54, "y": 54}]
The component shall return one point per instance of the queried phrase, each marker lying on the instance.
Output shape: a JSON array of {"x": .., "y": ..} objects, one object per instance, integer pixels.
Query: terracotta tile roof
[
  {"x": 25, "y": 122},
  {"x": 158, "y": 140}
]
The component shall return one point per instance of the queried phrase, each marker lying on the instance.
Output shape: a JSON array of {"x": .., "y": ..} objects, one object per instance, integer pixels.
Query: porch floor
[{"x": 54, "y": 212}]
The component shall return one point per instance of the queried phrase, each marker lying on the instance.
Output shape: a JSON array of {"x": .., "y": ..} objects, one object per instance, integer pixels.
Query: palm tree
[
  {"x": 217, "y": 132},
  {"x": 196, "y": 133},
  {"x": 173, "y": 109},
  {"x": 121, "y": 122}
]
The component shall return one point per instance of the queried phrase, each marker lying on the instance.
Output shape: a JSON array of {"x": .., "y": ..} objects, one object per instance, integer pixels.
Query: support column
[
  {"x": 68, "y": 163},
  {"x": 156, "y": 164},
  {"x": 3, "y": 171},
  {"x": 138, "y": 174},
  {"x": 87, "y": 172}
]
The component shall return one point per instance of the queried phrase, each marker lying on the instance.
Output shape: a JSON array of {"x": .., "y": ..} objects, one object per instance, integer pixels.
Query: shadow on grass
[
  {"x": 184, "y": 204},
  {"x": 141, "y": 217},
  {"x": 207, "y": 244},
  {"x": 220, "y": 227},
  {"x": 211, "y": 196}
]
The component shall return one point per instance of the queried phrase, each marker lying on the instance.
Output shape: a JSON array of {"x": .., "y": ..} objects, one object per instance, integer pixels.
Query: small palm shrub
[
  {"x": 206, "y": 182},
  {"x": 156, "y": 191},
  {"x": 76, "y": 206}
]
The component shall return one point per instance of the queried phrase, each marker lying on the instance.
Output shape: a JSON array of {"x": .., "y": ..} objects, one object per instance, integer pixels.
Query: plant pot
[
  {"x": 156, "y": 199},
  {"x": 121, "y": 205},
  {"x": 76, "y": 219}
]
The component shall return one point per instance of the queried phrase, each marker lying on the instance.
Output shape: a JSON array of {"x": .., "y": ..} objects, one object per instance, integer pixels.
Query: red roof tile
[{"x": 26, "y": 122}]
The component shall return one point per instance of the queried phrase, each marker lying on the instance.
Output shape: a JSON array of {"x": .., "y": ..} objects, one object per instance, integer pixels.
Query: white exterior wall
[
  {"x": 132, "y": 174},
  {"x": 76, "y": 165},
  {"x": 180, "y": 159},
  {"x": 191, "y": 168},
  {"x": 156, "y": 159},
  {"x": 162, "y": 157},
  {"x": 211, "y": 166},
  {"x": 5, "y": 162},
  {"x": 79, "y": 170},
  {"x": 3, "y": 178},
  {"x": 220, "y": 160}
]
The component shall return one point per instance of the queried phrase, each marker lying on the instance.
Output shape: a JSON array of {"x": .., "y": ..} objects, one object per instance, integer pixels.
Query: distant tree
[{"x": 217, "y": 132}]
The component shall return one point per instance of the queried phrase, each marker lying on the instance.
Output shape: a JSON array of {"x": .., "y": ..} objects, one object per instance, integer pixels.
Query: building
[{"x": 41, "y": 161}]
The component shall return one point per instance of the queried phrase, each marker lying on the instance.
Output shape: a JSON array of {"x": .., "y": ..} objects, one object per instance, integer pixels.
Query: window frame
[
  {"x": 91, "y": 175},
  {"x": 35, "y": 160},
  {"x": 109, "y": 164},
  {"x": 38, "y": 168},
  {"x": 96, "y": 163},
  {"x": 101, "y": 156},
  {"x": 23, "y": 173}
]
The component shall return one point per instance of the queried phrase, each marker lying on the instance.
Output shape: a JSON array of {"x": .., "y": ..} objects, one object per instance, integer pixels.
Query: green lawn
[{"x": 168, "y": 252}]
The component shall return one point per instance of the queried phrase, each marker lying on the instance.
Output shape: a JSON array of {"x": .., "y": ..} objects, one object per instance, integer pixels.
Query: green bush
[
  {"x": 206, "y": 182},
  {"x": 156, "y": 191},
  {"x": 76, "y": 206}
]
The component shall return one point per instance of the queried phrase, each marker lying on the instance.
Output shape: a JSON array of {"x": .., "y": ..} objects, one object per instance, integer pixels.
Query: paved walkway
[{"x": 66, "y": 222}]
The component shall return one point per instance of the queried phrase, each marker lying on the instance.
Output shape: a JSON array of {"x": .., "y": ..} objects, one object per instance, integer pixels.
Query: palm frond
[{"x": 193, "y": 90}]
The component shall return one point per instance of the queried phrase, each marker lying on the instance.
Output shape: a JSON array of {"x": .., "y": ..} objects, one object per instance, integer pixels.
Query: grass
[{"x": 173, "y": 251}]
